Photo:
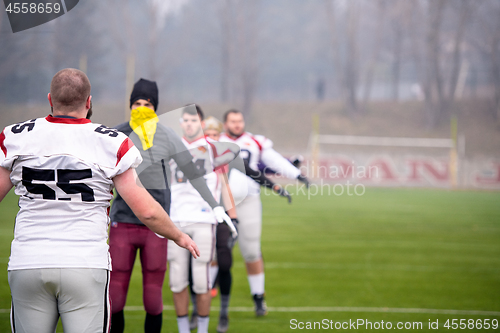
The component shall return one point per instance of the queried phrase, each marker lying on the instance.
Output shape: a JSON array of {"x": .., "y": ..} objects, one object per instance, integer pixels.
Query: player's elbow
[{"x": 147, "y": 215}]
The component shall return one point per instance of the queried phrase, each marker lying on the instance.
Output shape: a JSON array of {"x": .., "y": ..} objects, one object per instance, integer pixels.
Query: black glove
[
  {"x": 231, "y": 240},
  {"x": 235, "y": 222},
  {"x": 303, "y": 180},
  {"x": 282, "y": 192}
]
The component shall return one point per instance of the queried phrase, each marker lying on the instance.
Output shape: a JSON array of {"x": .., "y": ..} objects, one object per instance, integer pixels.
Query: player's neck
[
  {"x": 75, "y": 114},
  {"x": 191, "y": 139},
  {"x": 233, "y": 136}
]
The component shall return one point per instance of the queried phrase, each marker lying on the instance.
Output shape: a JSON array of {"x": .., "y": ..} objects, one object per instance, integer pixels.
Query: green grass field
[{"x": 326, "y": 257}]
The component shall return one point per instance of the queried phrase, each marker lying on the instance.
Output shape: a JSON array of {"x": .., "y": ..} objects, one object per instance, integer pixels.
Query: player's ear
[
  {"x": 50, "y": 100},
  {"x": 88, "y": 104},
  {"x": 203, "y": 124}
]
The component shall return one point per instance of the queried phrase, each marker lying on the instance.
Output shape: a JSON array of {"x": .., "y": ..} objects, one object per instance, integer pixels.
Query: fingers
[
  {"x": 189, "y": 244},
  {"x": 193, "y": 248},
  {"x": 231, "y": 226}
]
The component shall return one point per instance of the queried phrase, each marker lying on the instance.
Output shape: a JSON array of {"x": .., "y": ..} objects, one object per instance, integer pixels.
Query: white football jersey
[
  {"x": 187, "y": 204},
  {"x": 255, "y": 148},
  {"x": 62, "y": 170}
]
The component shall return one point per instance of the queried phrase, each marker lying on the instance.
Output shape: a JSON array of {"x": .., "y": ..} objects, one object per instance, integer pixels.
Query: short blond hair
[{"x": 212, "y": 123}]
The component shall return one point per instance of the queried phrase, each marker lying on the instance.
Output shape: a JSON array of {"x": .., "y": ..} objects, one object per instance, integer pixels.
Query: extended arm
[
  {"x": 228, "y": 202},
  {"x": 5, "y": 183},
  {"x": 227, "y": 197},
  {"x": 278, "y": 163},
  {"x": 150, "y": 212},
  {"x": 184, "y": 160},
  {"x": 262, "y": 180},
  {"x": 281, "y": 165}
]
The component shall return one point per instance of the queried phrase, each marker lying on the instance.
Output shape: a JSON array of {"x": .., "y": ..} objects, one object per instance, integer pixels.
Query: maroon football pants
[{"x": 124, "y": 241}]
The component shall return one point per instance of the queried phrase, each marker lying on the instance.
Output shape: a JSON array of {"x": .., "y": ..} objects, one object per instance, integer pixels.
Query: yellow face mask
[{"x": 143, "y": 122}]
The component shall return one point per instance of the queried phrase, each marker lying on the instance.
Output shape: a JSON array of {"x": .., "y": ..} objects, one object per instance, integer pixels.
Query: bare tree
[
  {"x": 346, "y": 64},
  {"x": 433, "y": 81},
  {"x": 464, "y": 13},
  {"x": 397, "y": 19},
  {"x": 240, "y": 50},
  {"x": 226, "y": 14},
  {"x": 375, "y": 49},
  {"x": 485, "y": 38}
]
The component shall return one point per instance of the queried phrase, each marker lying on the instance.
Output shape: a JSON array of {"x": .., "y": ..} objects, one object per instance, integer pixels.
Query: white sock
[
  {"x": 203, "y": 324},
  {"x": 213, "y": 274},
  {"x": 183, "y": 324},
  {"x": 256, "y": 282}
]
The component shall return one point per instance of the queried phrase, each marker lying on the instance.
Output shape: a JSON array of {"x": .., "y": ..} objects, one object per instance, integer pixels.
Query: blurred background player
[
  {"x": 221, "y": 266},
  {"x": 193, "y": 215},
  {"x": 254, "y": 149},
  {"x": 158, "y": 145},
  {"x": 69, "y": 278}
]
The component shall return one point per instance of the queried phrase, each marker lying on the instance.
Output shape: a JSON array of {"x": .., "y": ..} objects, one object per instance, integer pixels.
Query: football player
[
  {"x": 254, "y": 148},
  {"x": 224, "y": 243},
  {"x": 194, "y": 216},
  {"x": 64, "y": 169}
]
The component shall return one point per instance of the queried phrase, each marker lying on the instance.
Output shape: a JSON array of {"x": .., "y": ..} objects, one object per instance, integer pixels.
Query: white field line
[
  {"x": 344, "y": 309},
  {"x": 334, "y": 309},
  {"x": 369, "y": 266}
]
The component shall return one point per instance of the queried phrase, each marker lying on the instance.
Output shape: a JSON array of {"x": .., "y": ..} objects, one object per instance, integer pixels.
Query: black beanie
[{"x": 147, "y": 90}]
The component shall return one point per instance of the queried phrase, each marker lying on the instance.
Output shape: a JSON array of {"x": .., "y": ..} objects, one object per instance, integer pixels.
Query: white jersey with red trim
[
  {"x": 62, "y": 169},
  {"x": 255, "y": 148},
  {"x": 187, "y": 204}
]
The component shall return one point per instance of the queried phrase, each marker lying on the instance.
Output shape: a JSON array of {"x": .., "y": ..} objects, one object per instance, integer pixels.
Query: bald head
[{"x": 69, "y": 90}]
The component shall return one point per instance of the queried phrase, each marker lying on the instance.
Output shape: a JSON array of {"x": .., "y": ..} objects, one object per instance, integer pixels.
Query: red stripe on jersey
[
  {"x": 257, "y": 142},
  {"x": 213, "y": 147},
  {"x": 125, "y": 146},
  {"x": 2, "y": 138},
  {"x": 57, "y": 120}
]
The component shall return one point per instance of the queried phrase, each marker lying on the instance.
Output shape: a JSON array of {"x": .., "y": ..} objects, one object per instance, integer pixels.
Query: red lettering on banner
[
  {"x": 322, "y": 169},
  {"x": 414, "y": 174},
  {"x": 490, "y": 180},
  {"x": 383, "y": 170},
  {"x": 342, "y": 169},
  {"x": 442, "y": 175},
  {"x": 417, "y": 167}
]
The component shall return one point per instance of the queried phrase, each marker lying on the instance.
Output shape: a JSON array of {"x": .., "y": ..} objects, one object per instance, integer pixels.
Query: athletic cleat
[
  {"x": 260, "y": 305},
  {"x": 193, "y": 322},
  {"x": 223, "y": 324}
]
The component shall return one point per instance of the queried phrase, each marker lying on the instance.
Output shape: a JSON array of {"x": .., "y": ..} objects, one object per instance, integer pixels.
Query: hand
[
  {"x": 303, "y": 180},
  {"x": 235, "y": 223},
  {"x": 232, "y": 240},
  {"x": 282, "y": 192},
  {"x": 186, "y": 242},
  {"x": 221, "y": 216}
]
